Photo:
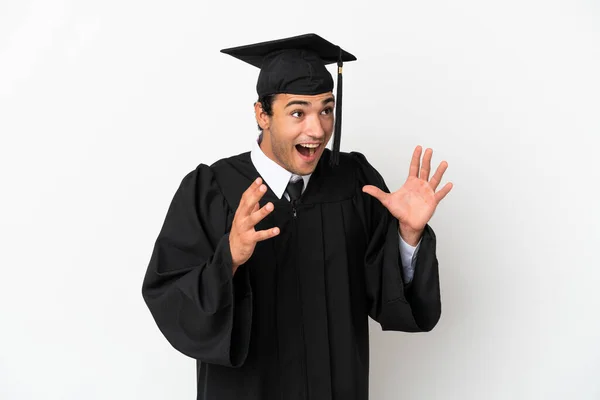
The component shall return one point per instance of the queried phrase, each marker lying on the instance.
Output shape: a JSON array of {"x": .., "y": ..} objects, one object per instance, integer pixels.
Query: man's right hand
[{"x": 243, "y": 237}]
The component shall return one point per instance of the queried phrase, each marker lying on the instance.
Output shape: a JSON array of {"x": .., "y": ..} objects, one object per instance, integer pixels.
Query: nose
[{"x": 314, "y": 128}]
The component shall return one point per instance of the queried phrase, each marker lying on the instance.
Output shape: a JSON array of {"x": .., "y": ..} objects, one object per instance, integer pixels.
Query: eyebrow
[{"x": 307, "y": 103}]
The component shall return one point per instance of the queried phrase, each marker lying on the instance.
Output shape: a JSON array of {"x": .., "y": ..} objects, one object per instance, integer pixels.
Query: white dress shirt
[{"x": 278, "y": 177}]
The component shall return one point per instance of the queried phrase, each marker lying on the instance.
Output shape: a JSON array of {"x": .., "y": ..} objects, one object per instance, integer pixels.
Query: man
[{"x": 270, "y": 262}]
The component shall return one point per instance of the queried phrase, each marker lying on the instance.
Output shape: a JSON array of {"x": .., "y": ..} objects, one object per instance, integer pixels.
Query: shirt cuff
[{"x": 407, "y": 258}]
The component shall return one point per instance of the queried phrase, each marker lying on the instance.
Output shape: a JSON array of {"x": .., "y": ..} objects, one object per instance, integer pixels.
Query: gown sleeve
[
  {"x": 395, "y": 305},
  {"x": 202, "y": 310}
]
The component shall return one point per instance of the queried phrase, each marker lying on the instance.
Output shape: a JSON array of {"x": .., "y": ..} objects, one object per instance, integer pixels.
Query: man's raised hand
[{"x": 243, "y": 237}]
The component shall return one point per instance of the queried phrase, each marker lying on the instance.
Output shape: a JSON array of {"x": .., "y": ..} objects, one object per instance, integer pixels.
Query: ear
[{"x": 262, "y": 119}]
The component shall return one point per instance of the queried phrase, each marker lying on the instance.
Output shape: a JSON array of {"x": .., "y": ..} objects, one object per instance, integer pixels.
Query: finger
[
  {"x": 414, "y": 163},
  {"x": 426, "y": 168},
  {"x": 439, "y": 196},
  {"x": 258, "y": 215},
  {"x": 439, "y": 173},
  {"x": 259, "y": 236},
  {"x": 254, "y": 197},
  {"x": 245, "y": 207},
  {"x": 376, "y": 192}
]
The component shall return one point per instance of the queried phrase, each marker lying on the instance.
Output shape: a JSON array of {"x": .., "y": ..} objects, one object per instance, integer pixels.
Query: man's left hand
[{"x": 415, "y": 202}]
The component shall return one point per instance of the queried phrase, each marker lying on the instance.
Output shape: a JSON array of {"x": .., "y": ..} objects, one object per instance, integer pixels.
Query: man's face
[{"x": 298, "y": 131}]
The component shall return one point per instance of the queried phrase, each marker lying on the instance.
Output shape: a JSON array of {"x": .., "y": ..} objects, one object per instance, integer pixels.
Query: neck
[{"x": 264, "y": 143}]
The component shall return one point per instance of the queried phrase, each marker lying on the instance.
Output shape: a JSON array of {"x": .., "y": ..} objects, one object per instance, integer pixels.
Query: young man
[{"x": 270, "y": 262}]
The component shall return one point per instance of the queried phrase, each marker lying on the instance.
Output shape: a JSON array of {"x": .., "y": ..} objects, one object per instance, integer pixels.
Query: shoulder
[
  {"x": 226, "y": 178},
  {"x": 344, "y": 180},
  {"x": 217, "y": 172},
  {"x": 199, "y": 184},
  {"x": 236, "y": 164},
  {"x": 208, "y": 181},
  {"x": 355, "y": 165}
]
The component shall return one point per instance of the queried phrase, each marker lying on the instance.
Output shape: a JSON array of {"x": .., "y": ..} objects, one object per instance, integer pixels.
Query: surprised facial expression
[{"x": 298, "y": 131}]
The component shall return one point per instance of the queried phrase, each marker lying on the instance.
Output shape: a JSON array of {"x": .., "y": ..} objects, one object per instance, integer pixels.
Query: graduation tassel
[{"x": 338, "y": 114}]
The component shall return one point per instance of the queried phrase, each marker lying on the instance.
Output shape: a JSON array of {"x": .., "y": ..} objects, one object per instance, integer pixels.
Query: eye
[
  {"x": 297, "y": 114},
  {"x": 327, "y": 111}
]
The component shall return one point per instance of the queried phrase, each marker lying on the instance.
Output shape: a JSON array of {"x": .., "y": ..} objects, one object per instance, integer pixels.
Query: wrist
[
  {"x": 409, "y": 235},
  {"x": 234, "y": 260}
]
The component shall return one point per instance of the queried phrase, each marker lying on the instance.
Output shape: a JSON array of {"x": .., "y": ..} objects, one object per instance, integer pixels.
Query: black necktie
[{"x": 294, "y": 189}]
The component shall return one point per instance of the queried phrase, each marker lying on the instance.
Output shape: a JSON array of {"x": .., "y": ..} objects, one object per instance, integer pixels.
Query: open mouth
[{"x": 308, "y": 151}]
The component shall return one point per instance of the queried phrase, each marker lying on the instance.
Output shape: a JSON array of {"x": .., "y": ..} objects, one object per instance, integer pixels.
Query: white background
[{"x": 106, "y": 105}]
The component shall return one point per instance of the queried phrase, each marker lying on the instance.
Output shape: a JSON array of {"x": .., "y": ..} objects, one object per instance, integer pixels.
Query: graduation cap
[{"x": 297, "y": 65}]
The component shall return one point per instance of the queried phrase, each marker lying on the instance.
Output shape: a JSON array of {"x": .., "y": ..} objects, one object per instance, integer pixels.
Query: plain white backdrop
[{"x": 106, "y": 105}]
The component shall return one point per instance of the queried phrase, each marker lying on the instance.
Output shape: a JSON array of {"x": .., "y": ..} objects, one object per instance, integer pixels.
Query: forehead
[{"x": 316, "y": 99}]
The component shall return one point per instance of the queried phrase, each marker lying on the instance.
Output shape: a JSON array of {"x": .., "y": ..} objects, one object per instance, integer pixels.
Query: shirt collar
[{"x": 273, "y": 174}]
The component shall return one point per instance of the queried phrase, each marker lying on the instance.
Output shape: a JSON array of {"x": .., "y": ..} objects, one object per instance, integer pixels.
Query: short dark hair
[{"x": 267, "y": 105}]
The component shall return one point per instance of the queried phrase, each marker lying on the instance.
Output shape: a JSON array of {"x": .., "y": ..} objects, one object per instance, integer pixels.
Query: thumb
[{"x": 376, "y": 192}]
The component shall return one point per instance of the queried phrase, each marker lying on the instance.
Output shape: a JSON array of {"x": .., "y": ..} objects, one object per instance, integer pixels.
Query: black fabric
[
  {"x": 292, "y": 323},
  {"x": 293, "y": 71},
  {"x": 307, "y": 49},
  {"x": 295, "y": 65},
  {"x": 294, "y": 189}
]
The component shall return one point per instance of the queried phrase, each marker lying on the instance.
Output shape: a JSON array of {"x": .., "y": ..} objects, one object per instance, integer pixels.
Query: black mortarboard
[{"x": 296, "y": 65}]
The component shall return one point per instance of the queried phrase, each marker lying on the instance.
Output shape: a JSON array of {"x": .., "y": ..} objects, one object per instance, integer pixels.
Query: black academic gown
[{"x": 292, "y": 324}]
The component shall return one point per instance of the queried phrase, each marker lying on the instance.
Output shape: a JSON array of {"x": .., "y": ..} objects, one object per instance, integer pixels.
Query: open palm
[{"x": 415, "y": 202}]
